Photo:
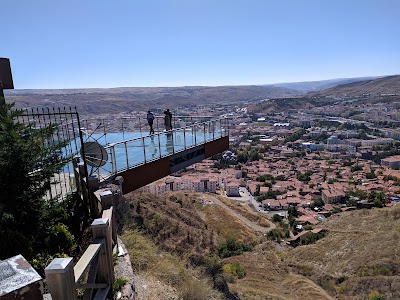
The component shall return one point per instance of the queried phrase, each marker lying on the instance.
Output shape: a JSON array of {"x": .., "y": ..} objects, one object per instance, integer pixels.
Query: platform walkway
[{"x": 180, "y": 147}]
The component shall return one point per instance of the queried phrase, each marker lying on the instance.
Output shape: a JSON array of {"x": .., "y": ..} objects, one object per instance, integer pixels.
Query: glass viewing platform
[{"x": 127, "y": 150}]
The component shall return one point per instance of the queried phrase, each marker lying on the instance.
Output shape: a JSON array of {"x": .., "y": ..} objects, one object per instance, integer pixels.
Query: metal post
[
  {"x": 213, "y": 129},
  {"x": 2, "y": 99},
  {"x": 113, "y": 161},
  {"x": 126, "y": 154},
  {"x": 173, "y": 144},
  {"x": 195, "y": 129},
  {"x": 204, "y": 128},
  {"x": 140, "y": 127},
  {"x": 159, "y": 144},
  {"x": 144, "y": 149},
  {"x": 184, "y": 138}
]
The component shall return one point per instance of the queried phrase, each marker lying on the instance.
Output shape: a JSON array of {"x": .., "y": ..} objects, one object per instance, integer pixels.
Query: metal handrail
[{"x": 160, "y": 133}]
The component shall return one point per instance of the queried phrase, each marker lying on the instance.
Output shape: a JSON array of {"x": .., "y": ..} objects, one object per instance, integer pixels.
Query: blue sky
[{"x": 96, "y": 43}]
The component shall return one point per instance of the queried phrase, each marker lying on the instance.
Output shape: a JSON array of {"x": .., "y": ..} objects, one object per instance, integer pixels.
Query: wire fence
[{"x": 67, "y": 131}]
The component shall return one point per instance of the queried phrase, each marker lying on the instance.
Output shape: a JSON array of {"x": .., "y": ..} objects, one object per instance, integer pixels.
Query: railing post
[
  {"x": 93, "y": 185},
  {"x": 184, "y": 137},
  {"x": 61, "y": 280},
  {"x": 159, "y": 144},
  {"x": 110, "y": 215},
  {"x": 107, "y": 199},
  {"x": 126, "y": 153},
  {"x": 173, "y": 144},
  {"x": 204, "y": 128},
  {"x": 84, "y": 184},
  {"x": 113, "y": 160},
  {"x": 213, "y": 129},
  {"x": 105, "y": 272},
  {"x": 144, "y": 149}
]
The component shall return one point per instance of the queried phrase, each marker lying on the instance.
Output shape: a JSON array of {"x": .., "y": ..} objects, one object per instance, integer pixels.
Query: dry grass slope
[
  {"x": 173, "y": 222},
  {"x": 360, "y": 254},
  {"x": 268, "y": 277}
]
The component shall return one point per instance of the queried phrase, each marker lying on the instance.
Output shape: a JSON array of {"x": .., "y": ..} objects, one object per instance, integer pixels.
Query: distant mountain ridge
[
  {"x": 308, "y": 86},
  {"x": 118, "y": 100},
  {"x": 94, "y": 101},
  {"x": 374, "y": 87},
  {"x": 382, "y": 89}
]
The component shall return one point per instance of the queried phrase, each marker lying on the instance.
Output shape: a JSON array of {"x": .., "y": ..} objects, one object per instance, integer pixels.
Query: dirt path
[{"x": 243, "y": 219}]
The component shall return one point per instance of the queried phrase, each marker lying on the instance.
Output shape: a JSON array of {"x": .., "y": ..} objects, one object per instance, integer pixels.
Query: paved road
[{"x": 246, "y": 221}]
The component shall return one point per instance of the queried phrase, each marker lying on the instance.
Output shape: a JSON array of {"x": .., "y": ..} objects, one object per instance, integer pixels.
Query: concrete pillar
[
  {"x": 93, "y": 185},
  {"x": 107, "y": 199},
  {"x": 61, "y": 280},
  {"x": 105, "y": 272}
]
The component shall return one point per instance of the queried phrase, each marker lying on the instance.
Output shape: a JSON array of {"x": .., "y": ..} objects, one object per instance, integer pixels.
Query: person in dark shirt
[
  {"x": 168, "y": 120},
  {"x": 150, "y": 120}
]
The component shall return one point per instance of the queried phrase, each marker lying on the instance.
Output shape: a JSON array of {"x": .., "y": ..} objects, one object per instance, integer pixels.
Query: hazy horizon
[{"x": 227, "y": 85}]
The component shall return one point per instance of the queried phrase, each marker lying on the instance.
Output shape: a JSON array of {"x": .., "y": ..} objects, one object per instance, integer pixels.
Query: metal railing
[
  {"x": 66, "y": 123},
  {"x": 137, "y": 124},
  {"x": 133, "y": 152}
]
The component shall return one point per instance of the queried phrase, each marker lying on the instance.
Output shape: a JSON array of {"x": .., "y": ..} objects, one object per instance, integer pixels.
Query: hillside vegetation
[{"x": 179, "y": 236}]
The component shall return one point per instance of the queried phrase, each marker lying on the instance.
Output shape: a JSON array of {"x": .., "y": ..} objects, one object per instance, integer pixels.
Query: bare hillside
[
  {"x": 173, "y": 222},
  {"x": 358, "y": 256},
  {"x": 372, "y": 87},
  {"x": 119, "y": 100}
]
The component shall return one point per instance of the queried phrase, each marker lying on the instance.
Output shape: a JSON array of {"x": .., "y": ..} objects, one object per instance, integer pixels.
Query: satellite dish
[{"x": 95, "y": 154}]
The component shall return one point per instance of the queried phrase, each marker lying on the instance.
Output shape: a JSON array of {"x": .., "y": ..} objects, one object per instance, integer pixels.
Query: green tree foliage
[
  {"x": 303, "y": 177},
  {"x": 295, "y": 136},
  {"x": 275, "y": 235},
  {"x": 356, "y": 168},
  {"x": 248, "y": 155},
  {"x": 27, "y": 162},
  {"x": 271, "y": 194},
  {"x": 317, "y": 203},
  {"x": 277, "y": 218},
  {"x": 231, "y": 247},
  {"x": 311, "y": 238}
]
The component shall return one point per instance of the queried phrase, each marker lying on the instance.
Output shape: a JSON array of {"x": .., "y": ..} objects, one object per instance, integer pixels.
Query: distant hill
[
  {"x": 308, "y": 86},
  {"x": 383, "y": 89},
  {"x": 118, "y": 100},
  {"x": 374, "y": 87}
]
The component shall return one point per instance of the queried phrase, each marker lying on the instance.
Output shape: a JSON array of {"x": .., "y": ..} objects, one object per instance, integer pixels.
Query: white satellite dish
[{"x": 95, "y": 154}]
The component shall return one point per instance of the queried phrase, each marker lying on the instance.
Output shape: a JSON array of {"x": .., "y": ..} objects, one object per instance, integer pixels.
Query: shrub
[
  {"x": 235, "y": 269},
  {"x": 231, "y": 247},
  {"x": 119, "y": 283},
  {"x": 60, "y": 240},
  {"x": 375, "y": 295},
  {"x": 275, "y": 234},
  {"x": 277, "y": 218},
  {"x": 13, "y": 242}
]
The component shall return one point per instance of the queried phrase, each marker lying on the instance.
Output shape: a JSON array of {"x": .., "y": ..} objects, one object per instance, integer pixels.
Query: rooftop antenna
[{"x": 6, "y": 81}]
